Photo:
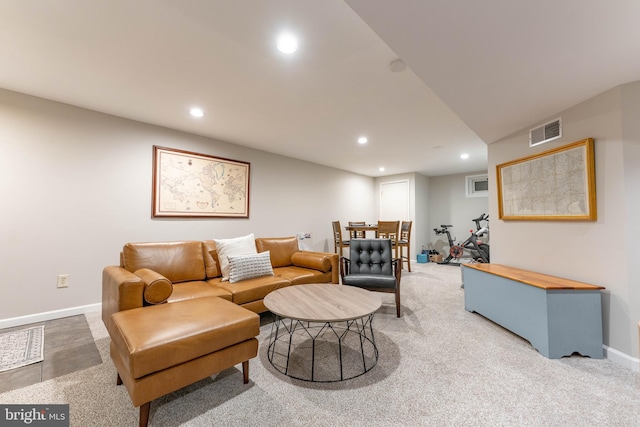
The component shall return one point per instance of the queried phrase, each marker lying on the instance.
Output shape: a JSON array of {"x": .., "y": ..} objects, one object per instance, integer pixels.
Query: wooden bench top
[{"x": 538, "y": 280}]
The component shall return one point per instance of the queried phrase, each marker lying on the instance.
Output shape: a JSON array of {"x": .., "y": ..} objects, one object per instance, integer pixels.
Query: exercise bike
[{"x": 479, "y": 251}]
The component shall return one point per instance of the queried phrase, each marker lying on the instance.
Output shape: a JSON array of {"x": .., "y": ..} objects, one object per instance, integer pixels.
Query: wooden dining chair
[
  {"x": 357, "y": 234},
  {"x": 338, "y": 243},
  {"x": 389, "y": 230},
  {"x": 405, "y": 242}
]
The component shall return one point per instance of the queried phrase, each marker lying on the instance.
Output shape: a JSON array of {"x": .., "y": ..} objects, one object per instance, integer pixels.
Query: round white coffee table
[{"x": 322, "y": 332}]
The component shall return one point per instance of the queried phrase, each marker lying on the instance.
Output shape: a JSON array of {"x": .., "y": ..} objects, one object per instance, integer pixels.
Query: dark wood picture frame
[
  {"x": 555, "y": 185},
  {"x": 194, "y": 185}
]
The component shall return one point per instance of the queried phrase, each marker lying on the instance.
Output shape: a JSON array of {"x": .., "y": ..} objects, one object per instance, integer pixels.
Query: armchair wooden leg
[
  {"x": 144, "y": 414},
  {"x": 398, "y": 302},
  {"x": 245, "y": 371}
]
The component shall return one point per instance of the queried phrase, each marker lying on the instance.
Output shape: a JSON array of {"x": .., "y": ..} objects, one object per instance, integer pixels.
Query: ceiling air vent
[{"x": 545, "y": 133}]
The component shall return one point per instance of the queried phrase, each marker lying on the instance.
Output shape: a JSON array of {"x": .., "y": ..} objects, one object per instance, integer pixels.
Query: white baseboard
[
  {"x": 621, "y": 358},
  {"x": 48, "y": 315}
]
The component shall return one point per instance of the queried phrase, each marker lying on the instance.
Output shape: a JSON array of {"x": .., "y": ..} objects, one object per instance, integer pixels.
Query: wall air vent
[{"x": 545, "y": 133}]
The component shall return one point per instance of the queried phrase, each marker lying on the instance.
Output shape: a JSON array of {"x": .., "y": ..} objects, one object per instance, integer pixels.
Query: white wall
[
  {"x": 75, "y": 185},
  {"x": 449, "y": 205},
  {"x": 601, "y": 252},
  {"x": 421, "y": 229},
  {"x": 631, "y": 232}
]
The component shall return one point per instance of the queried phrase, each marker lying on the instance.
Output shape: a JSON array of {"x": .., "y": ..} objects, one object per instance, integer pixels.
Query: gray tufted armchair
[{"x": 371, "y": 266}]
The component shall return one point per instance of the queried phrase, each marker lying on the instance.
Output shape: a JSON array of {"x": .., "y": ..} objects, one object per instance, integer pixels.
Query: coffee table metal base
[{"x": 322, "y": 352}]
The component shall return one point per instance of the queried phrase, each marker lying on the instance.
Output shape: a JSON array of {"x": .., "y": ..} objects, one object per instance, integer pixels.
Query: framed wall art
[
  {"x": 187, "y": 184},
  {"x": 555, "y": 185}
]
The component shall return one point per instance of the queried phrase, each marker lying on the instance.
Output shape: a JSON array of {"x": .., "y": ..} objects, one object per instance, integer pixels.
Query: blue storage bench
[{"x": 557, "y": 316}]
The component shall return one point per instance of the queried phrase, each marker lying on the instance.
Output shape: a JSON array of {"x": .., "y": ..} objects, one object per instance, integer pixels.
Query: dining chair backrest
[
  {"x": 338, "y": 243},
  {"x": 388, "y": 230},
  {"x": 405, "y": 243},
  {"x": 357, "y": 234},
  {"x": 405, "y": 231}
]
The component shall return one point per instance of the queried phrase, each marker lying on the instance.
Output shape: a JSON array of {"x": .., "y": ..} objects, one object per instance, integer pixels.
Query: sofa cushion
[
  {"x": 157, "y": 288},
  {"x": 197, "y": 289},
  {"x": 237, "y": 246},
  {"x": 311, "y": 260},
  {"x": 211, "y": 262},
  {"x": 301, "y": 276},
  {"x": 252, "y": 289},
  {"x": 243, "y": 267},
  {"x": 281, "y": 248},
  {"x": 177, "y": 261}
]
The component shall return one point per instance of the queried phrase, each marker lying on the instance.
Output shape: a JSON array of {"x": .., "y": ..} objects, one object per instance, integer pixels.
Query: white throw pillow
[
  {"x": 230, "y": 247},
  {"x": 243, "y": 267}
]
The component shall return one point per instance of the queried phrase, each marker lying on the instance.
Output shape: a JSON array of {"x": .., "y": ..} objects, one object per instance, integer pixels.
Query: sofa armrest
[
  {"x": 322, "y": 261},
  {"x": 121, "y": 290},
  {"x": 157, "y": 288}
]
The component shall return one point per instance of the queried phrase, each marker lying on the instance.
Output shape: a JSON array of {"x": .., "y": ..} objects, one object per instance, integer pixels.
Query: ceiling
[{"x": 498, "y": 65}]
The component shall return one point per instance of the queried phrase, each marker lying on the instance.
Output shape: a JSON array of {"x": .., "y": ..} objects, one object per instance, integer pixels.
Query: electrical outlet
[{"x": 63, "y": 280}]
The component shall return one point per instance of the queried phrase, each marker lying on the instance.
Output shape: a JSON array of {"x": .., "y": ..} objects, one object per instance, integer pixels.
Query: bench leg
[
  {"x": 144, "y": 414},
  {"x": 245, "y": 371}
]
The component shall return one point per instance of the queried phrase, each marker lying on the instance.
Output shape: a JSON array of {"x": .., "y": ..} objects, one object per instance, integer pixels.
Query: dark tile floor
[{"x": 68, "y": 347}]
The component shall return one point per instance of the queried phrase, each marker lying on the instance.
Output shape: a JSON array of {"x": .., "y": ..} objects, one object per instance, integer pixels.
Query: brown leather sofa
[
  {"x": 153, "y": 273},
  {"x": 172, "y": 319}
]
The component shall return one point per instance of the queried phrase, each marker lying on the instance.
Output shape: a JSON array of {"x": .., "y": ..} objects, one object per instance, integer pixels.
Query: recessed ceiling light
[
  {"x": 196, "y": 112},
  {"x": 362, "y": 140},
  {"x": 287, "y": 43},
  {"x": 381, "y": 168},
  {"x": 464, "y": 156}
]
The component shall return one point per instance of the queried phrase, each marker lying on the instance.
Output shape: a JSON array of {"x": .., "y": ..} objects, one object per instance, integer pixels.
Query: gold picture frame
[
  {"x": 187, "y": 184},
  {"x": 555, "y": 185}
]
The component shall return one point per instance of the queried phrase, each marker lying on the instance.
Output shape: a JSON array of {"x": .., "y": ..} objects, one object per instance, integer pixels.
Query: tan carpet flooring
[{"x": 439, "y": 366}]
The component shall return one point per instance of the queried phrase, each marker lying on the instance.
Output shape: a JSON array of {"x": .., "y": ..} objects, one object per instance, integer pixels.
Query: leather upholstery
[
  {"x": 157, "y": 288},
  {"x": 154, "y": 338},
  {"x": 197, "y": 289},
  {"x": 311, "y": 260},
  {"x": 206, "y": 325},
  {"x": 253, "y": 289},
  {"x": 281, "y": 248},
  {"x": 163, "y": 348},
  {"x": 371, "y": 266},
  {"x": 157, "y": 384},
  {"x": 177, "y": 261},
  {"x": 371, "y": 256},
  {"x": 300, "y": 276},
  {"x": 211, "y": 262}
]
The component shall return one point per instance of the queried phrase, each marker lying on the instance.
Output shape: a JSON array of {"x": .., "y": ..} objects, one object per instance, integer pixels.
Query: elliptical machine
[{"x": 479, "y": 251}]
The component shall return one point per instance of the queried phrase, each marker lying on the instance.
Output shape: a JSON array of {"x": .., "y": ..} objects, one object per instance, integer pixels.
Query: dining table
[{"x": 361, "y": 227}]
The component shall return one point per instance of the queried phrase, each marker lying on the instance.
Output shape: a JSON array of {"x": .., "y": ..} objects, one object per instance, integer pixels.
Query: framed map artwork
[
  {"x": 187, "y": 184},
  {"x": 555, "y": 185}
]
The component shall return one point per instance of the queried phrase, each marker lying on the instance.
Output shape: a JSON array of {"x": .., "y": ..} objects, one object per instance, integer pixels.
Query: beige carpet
[{"x": 439, "y": 366}]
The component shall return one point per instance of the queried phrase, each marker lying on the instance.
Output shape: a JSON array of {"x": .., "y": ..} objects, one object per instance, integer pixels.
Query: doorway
[{"x": 394, "y": 200}]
